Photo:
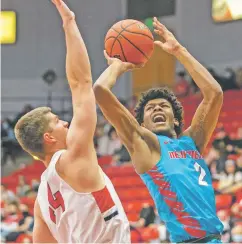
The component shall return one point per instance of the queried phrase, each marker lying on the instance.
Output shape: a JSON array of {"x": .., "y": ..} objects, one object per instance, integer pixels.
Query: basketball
[{"x": 130, "y": 41}]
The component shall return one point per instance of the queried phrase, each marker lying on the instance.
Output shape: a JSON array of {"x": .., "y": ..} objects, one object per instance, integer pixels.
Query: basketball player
[
  {"x": 76, "y": 202},
  {"x": 168, "y": 159}
]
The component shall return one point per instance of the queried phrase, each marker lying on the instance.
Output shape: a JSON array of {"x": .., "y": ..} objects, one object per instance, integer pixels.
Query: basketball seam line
[
  {"x": 132, "y": 44},
  {"x": 121, "y": 49},
  {"x": 110, "y": 38},
  {"x": 136, "y": 32},
  {"x": 119, "y": 35},
  {"x": 140, "y": 34}
]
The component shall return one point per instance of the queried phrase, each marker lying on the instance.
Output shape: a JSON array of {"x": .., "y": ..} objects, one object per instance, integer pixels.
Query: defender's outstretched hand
[
  {"x": 65, "y": 13},
  {"x": 170, "y": 44},
  {"x": 124, "y": 66}
]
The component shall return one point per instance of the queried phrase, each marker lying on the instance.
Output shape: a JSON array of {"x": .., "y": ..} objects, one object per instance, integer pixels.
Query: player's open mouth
[{"x": 159, "y": 118}]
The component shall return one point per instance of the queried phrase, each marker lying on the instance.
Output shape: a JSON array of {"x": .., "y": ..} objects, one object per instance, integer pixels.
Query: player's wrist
[
  {"x": 68, "y": 20},
  {"x": 181, "y": 52},
  {"x": 119, "y": 67}
]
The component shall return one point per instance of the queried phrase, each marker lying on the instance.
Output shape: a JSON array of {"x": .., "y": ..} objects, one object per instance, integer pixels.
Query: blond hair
[{"x": 30, "y": 129}]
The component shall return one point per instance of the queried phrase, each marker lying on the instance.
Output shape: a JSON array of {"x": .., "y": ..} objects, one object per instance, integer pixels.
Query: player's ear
[
  {"x": 48, "y": 138},
  {"x": 176, "y": 122}
]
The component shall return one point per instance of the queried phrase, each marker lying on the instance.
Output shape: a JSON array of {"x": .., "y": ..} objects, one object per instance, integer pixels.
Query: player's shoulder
[
  {"x": 77, "y": 171},
  {"x": 65, "y": 162},
  {"x": 149, "y": 136},
  {"x": 68, "y": 162},
  {"x": 186, "y": 135}
]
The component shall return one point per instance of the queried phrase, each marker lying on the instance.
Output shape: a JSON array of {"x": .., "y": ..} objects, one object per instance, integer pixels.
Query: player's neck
[
  {"x": 48, "y": 157},
  {"x": 174, "y": 135},
  {"x": 49, "y": 152}
]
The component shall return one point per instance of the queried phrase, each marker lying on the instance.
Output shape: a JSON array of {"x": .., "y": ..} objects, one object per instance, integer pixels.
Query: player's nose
[{"x": 157, "y": 108}]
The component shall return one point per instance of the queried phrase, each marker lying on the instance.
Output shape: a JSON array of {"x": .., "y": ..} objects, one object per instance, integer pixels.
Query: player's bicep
[
  {"x": 121, "y": 119},
  {"x": 41, "y": 232},
  {"x": 204, "y": 121},
  {"x": 83, "y": 124}
]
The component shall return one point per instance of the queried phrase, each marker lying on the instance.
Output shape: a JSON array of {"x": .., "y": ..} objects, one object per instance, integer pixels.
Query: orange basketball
[{"x": 130, "y": 41}]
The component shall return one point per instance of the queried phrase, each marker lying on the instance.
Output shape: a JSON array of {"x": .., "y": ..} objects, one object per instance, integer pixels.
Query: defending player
[
  {"x": 76, "y": 201},
  {"x": 168, "y": 159}
]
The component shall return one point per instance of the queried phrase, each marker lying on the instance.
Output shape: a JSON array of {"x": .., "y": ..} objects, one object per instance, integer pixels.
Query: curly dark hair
[{"x": 163, "y": 92}]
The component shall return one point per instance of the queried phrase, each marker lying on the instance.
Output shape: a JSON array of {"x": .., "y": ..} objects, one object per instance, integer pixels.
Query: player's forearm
[
  {"x": 204, "y": 80},
  {"x": 118, "y": 116},
  {"x": 104, "y": 84},
  {"x": 109, "y": 77},
  {"x": 77, "y": 61}
]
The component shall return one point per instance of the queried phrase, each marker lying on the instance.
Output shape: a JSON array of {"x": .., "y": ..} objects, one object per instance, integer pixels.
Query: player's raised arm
[
  {"x": 206, "y": 116},
  {"x": 80, "y": 135},
  {"x": 125, "y": 124}
]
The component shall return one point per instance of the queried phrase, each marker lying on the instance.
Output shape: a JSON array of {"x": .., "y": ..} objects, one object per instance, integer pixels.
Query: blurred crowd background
[{"x": 33, "y": 75}]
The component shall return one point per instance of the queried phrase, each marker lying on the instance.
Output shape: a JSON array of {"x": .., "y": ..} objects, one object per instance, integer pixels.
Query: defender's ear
[{"x": 48, "y": 138}]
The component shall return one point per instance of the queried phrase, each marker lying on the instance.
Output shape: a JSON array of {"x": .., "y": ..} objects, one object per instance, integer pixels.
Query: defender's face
[
  {"x": 159, "y": 117},
  {"x": 58, "y": 130}
]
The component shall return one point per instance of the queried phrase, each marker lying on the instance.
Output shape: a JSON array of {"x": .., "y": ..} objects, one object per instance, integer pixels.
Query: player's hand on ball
[
  {"x": 170, "y": 44},
  {"x": 65, "y": 13},
  {"x": 123, "y": 66}
]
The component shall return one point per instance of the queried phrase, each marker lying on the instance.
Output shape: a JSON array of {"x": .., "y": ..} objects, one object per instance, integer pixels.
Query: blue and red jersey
[{"x": 181, "y": 187}]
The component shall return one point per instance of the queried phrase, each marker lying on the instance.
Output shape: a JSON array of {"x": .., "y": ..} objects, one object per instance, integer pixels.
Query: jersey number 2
[
  {"x": 55, "y": 200},
  {"x": 198, "y": 168}
]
